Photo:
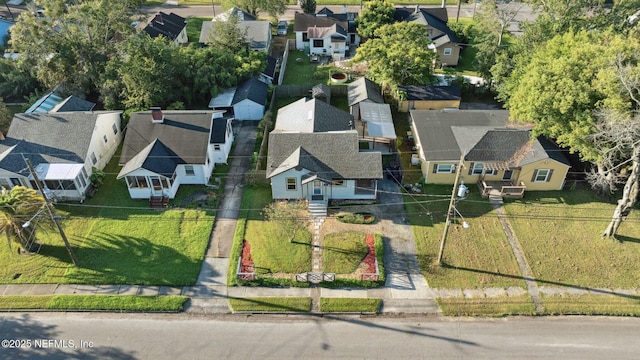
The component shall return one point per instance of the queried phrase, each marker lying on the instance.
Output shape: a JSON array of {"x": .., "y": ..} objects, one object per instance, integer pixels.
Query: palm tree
[{"x": 18, "y": 206}]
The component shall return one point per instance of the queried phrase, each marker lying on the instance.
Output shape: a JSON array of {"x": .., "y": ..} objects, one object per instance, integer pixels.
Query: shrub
[{"x": 356, "y": 218}]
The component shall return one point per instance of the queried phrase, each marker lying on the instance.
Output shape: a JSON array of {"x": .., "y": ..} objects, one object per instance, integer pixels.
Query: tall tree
[
  {"x": 17, "y": 206},
  {"x": 255, "y": 7},
  {"x": 16, "y": 82},
  {"x": 564, "y": 82},
  {"x": 72, "y": 41},
  {"x": 308, "y": 6},
  {"x": 145, "y": 72},
  {"x": 617, "y": 138},
  {"x": 399, "y": 54},
  {"x": 228, "y": 35},
  {"x": 375, "y": 14},
  {"x": 5, "y": 117}
]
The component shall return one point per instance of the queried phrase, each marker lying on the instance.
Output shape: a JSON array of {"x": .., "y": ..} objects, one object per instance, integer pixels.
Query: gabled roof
[
  {"x": 270, "y": 69},
  {"x": 364, "y": 89},
  {"x": 430, "y": 92},
  {"x": 323, "y": 32},
  {"x": 434, "y": 129},
  {"x": 155, "y": 157},
  {"x": 62, "y": 137},
  {"x": 252, "y": 89},
  {"x": 303, "y": 22},
  {"x": 241, "y": 14},
  {"x": 73, "y": 103},
  {"x": 258, "y": 33},
  {"x": 328, "y": 155},
  {"x": 167, "y": 25},
  {"x": 223, "y": 99},
  {"x": 312, "y": 116},
  {"x": 434, "y": 17},
  {"x": 182, "y": 137},
  {"x": 480, "y": 135}
]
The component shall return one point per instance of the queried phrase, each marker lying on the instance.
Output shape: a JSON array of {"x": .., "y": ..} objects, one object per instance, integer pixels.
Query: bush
[{"x": 356, "y": 218}]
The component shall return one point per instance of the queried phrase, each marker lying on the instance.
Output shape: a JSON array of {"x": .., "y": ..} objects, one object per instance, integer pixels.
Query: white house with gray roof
[
  {"x": 64, "y": 147},
  {"x": 314, "y": 155},
  {"x": 165, "y": 149}
]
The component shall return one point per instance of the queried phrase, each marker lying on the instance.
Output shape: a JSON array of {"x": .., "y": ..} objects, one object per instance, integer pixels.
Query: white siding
[
  {"x": 103, "y": 151},
  {"x": 279, "y": 185},
  {"x": 248, "y": 110},
  {"x": 201, "y": 174},
  {"x": 299, "y": 42}
]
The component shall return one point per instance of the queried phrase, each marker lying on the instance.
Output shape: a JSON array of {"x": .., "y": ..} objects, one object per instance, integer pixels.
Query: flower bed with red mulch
[
  {"x": 370, "y": 259},
  {"x": 247, "y": 269}
]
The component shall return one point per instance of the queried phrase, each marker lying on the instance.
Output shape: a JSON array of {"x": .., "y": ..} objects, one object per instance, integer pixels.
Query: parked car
[{"x": 283, "y": 27}]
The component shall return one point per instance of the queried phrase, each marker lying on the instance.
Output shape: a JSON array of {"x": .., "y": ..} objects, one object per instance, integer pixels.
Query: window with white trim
[
  {"x": 337, "y": 182},
  {"x": 477, "y": 169},
  {"x": 291, "y": 184},
  {"x": 445, "y": 168},
  {"x": 188, "y": 169},
  {"x": 115, "y": 129},
  {"x": 216, "y": 147},
  {"x": 542, "y": 175},
  {"x": 446, "y": 51}
]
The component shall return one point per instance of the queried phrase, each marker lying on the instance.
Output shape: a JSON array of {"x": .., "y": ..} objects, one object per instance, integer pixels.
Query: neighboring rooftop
[
  {"x": 363, "y": 89},
  {"x": 167, "y": 25},
  {"x": 430, "y": 92},
  {"x": 252, "y": 89},
  {"x": 312, "y": 116}
]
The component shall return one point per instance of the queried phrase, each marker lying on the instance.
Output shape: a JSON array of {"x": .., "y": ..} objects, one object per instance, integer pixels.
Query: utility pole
[
  {"x": 48, "y": 205},
  {"x": 451, "y": 206},
  {"x": 214, "y": 8},
  {"x": 10, "y": 13}
]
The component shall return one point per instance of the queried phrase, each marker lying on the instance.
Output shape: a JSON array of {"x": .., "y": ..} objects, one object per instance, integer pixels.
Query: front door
[
  {"x": 317, "y": 190},
  {"x": 157, "y": 185},
  {"x": 508, "y": 174}
]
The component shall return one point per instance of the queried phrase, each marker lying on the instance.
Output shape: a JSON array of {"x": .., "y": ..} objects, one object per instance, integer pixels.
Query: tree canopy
[
  {"x": 565, "y": 81},
  {"x": 375, "y": 14},
  {"x": 308, "y": 6},
  {"x": 227, "y": 35},
  {"x": 70, "y": 44},
  {"x": 399, "y": 54},
  {"x": 17, "y": 206},
  {"x": 255, "y": 7}
]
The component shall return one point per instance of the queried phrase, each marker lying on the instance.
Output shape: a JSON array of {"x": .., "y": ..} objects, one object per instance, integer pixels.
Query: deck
[{"x": 505, "y": 188}]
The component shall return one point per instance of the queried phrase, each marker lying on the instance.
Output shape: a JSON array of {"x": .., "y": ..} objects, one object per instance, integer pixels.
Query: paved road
[{"x": 180, "y": 337}]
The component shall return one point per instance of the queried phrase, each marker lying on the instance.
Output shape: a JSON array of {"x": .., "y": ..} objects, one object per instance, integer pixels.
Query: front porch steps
[{"x": 317, "y": 209}]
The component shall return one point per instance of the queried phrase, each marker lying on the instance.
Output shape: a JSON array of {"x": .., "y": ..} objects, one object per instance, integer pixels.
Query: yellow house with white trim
[{"x": 495, "y": 154}]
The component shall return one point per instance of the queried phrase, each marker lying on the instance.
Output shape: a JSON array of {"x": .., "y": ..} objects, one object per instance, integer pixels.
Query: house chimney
[
  {"x": 1, "y": 136},
  {"x": 157, "y": 117}
]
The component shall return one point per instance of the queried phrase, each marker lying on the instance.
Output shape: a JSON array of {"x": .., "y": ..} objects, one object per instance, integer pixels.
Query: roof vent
[{"x": 157, "y": 117}]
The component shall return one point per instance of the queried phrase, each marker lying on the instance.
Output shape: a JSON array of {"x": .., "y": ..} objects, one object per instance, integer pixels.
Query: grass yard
[
  {"x": 117, "y": 240},
  {"x": 560, "y": 234},
  {"x": 496, "y": 307},
  {"x": 94, "y": 302},
  {"x": 412, "y": 174},
  {"x": 194, "y": 26},
  {"x": 271, "y": 304},
  {"x": 344, "y": 251},
  {"x": 477, "y": 257},
  {"x": 592, "y": 304},
  {"x": 358, "y": 305},
  {"x": 304, "y": 72}
]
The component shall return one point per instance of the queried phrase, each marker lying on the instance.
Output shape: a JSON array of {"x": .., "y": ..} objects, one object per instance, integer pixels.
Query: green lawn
[
  {"x": 94, "y": 302},
  {"x": 499, "y": 306},
  {"x": 194, "y": 25},
  {"x": 350, "y": 305},
  {"x": 344, "y": 251},
  {"x": 592, "y": 304},
  {"x": 271, "y": 304},
  {"x": 304, "y": 72},
  {"x": 560, "y": 234},
  {"x": 117, "y": 241},
  {"x": 477, "y": 257}
]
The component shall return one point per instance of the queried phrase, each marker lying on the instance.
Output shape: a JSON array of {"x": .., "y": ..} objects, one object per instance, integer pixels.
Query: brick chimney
[
  {"x": 1, "y": 136},
  {"x": 157, "y": 117}
]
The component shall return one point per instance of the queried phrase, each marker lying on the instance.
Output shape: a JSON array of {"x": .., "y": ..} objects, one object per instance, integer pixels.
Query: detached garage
[{"x": 250, "y": 100}]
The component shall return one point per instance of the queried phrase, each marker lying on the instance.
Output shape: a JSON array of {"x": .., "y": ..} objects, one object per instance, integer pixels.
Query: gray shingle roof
[
  {"x": 436, "y": 137},
  {"x": 62, "y": 137},
  {"x": 302, "y": 22},
  {"x": 252, "y": 89},
  {"x": 364, "y": 89},
  {"x": 168, "y": 25},
  {"x": 481, "y": 135},
  {"x": 329, "y": 155},
  {"x": 431, "y": 92},
  {"x": 434, "y": 17},
  {"x": 312, "y": 115},
  {"x": 184, "y": 135}
]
